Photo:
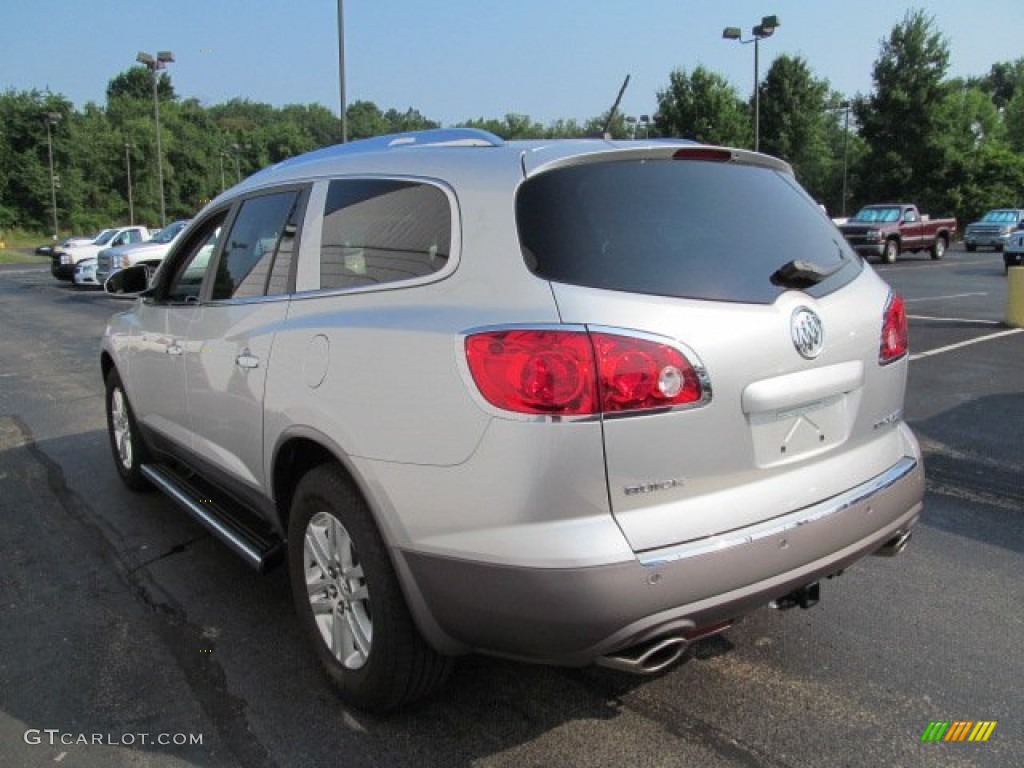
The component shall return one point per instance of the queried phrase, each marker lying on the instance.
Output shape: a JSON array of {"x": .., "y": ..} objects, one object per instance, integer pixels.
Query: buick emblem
[{"x": 808, "y": 333}]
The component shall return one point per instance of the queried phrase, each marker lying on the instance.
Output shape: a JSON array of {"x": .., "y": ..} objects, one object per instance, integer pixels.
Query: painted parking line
[
  {"x": 942, "y": 298},
  {"x": 954, "y": 320},
  {"x": 969, "y": 342}
]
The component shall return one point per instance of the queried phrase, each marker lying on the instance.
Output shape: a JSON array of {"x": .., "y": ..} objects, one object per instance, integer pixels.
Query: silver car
[{"x": 567, "y": 402}]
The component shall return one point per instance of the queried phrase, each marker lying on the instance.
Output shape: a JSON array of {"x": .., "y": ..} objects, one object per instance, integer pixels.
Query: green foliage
[
  {"x": 795, "y": 123},
  {"x": 902, "y": 121},
  {"x": 703, "y": 106}
]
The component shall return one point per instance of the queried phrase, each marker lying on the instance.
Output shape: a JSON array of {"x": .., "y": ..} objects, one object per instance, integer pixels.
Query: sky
[{"x": 455, "y": 60}]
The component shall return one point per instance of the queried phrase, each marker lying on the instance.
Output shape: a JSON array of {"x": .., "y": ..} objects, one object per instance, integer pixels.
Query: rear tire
[
  {"x": 971, "y": 247},
  {"x": 349, "y": 601},
  {"x": 939, "y": 248}
]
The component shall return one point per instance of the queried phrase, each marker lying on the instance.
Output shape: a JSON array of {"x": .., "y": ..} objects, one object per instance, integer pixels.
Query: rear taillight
[
  {"x": 578, "y": 373},
  {"x": 894, "y": 331}
]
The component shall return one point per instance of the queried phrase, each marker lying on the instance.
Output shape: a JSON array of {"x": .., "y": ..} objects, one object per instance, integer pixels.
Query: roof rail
[
  {"x": 442, "y": 137},
  {"x": 436, "y": 137}
]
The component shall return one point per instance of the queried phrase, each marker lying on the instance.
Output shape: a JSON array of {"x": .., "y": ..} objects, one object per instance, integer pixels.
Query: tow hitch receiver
[{"x": 805, "y": 597}]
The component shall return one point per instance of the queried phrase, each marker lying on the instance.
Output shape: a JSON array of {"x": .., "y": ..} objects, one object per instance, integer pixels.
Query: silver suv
[{"x": 565, "y": 401}]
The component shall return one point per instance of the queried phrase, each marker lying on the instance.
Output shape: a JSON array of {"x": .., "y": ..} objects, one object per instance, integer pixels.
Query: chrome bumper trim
[{"x": 779, "y": 525}]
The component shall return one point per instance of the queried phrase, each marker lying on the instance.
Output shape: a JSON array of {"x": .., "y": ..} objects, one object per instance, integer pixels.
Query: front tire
[
  {"x": 126, "y": 443},
  {"x": 349, "y": 601},
  {"x": 891, "y": 251}
]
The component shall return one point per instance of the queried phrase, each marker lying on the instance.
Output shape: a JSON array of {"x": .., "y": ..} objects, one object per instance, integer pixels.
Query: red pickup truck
[{"x": 889, "y": 229}]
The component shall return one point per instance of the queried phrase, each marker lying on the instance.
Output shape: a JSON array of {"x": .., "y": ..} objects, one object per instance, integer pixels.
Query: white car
[
  {"x": 64, "y": 258},
  {"x": 85, "y": 273}
]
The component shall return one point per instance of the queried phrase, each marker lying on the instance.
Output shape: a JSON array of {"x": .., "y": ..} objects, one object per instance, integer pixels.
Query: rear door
[{"x": 736, "y": 266}]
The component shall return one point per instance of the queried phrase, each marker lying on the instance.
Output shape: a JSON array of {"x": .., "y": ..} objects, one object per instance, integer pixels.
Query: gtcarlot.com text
[{"x": 56, "y": 737}]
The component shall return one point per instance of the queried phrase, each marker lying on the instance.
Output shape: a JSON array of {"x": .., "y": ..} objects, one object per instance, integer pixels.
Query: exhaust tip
[
  {"x": 895, "y": 545},
  {"x": 647, "y": 658}
]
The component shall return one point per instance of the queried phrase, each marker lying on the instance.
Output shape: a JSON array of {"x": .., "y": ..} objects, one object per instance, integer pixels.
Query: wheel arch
[
  {"x": 303, "y": 449},
  {"x": 106, "y": 364}
]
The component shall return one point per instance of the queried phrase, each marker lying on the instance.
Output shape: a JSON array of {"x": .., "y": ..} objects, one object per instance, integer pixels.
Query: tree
[
  {"x": 365, "y": 120},
  {"x": 1004, "y": 81},
  {"x": 703, "y": 106},
  {"x": 794, "y": 122},
  {"x": 902, "y": 120},
  {"x": 137, "y": 83}
]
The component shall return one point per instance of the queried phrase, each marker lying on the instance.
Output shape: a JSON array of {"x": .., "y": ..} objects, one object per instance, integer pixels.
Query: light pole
[
  {"x": 163, "y": 58},
  {"x": 238, "y": 168},
  {"x": 765, "y": 29},
  {"x": 51, "y": 119},
  {"x": 220, "y": 156},
  {"x": 128, "y": 165},
  {"x": 845, "y": 107},
  {"x": 341, "y": 69}
]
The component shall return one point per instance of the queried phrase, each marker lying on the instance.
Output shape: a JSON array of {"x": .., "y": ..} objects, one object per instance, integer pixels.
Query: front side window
[
  {"x": 191, "y": 262},
  {"x": 264, "y": 230},
  {"x": 379, "y": 231}
]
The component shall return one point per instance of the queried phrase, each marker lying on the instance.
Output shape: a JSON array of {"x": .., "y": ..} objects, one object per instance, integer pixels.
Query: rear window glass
[{"x": 688, "y": 229}]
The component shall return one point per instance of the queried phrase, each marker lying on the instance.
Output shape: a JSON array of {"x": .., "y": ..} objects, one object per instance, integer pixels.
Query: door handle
[
  {"x": 247, "y": 360},
  {"x": 174, "y": 349}
]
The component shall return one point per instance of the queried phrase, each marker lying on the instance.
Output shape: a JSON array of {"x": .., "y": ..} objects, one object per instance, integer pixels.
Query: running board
[{"x": 261, "y": 551}]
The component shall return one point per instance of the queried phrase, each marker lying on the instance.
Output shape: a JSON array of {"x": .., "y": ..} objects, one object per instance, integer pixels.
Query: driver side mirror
[{"x": 131, "y": 281}]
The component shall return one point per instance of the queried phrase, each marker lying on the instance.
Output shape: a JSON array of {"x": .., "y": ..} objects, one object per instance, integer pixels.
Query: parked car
[
  {"x": 85, "y": 273},
  {"x": 885, "y": 231},
  {"x": 64, "y": 258},
  {"x": 993, "y": 229},
  {"x": 568, "y": 402},
  {"x": 1013, "y": 251},
  {"x": 150, "y": 252}
]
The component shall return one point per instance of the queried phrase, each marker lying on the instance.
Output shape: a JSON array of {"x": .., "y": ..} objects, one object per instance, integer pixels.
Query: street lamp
[
  {"x": 845, "y": 107},
  {"x": 765, "y": 29},
  {"x": 51, "y": 119},
  {"x": 163, "y": 58},
  {"x": 128, "y": 165},
  {"x": 238, "y": 168},
  {"x": 341, "y": 69}
]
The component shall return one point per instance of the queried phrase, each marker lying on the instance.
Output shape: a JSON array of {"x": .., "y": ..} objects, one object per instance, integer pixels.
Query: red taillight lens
[
  {"x": 574, "y": 373},
  {"x": 894, "y": 331},
  {"x": 534, "y": 371},
  {"x": 638, "y": 374}
]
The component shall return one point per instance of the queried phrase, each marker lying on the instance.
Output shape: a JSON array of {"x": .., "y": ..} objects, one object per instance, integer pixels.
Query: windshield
[
  {"x": 104, "y": 237},
  {"x": 168, "y": 233},
  {"x": 874, "y": 215},
  {"x": 680, "y": 228},
  {"x": 1000, "y": 217}
]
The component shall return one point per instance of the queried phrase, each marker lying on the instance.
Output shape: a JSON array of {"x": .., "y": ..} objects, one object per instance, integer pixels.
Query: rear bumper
[{"x": 572, "y": 616}]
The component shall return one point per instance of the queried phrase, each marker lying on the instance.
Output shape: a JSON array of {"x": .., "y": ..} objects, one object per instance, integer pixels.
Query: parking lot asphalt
[{"x": 121, "y": 617}]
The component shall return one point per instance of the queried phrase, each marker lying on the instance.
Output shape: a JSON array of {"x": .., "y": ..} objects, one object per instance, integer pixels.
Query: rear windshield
[{"x": 688, "y": 229}]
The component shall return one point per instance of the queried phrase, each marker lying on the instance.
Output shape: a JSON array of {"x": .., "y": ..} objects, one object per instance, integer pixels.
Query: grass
[
  {"x": 18, "y": 246},
  {"x": 16, "y": 257}
]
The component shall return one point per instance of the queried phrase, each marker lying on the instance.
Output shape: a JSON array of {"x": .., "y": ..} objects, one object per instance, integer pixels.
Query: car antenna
[{"x": 611, "y": 113}]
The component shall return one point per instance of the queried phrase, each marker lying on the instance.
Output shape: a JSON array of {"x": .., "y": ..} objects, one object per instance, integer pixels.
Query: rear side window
[
  {"x": 681, "y": 228},
  {"x": 379, "y": 231}
]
